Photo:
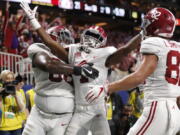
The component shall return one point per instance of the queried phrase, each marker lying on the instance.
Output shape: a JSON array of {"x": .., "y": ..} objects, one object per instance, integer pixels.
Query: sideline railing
[{"x": 17, "y": 64}]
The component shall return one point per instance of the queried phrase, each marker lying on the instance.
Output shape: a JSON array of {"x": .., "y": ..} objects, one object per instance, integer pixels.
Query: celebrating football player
[
  {"x": 91, "y": 50},
  {"x": 161, "y": 69}
]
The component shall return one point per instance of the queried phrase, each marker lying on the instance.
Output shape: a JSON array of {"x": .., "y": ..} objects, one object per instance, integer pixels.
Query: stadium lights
[
  {"x": 91, "y": 8},
  {"x": 77, "y": 5},
  {"x": 28, "y": 1},
  {"x": 101, "y": 24},
  {"x": 134, "y": 14},
  {"x": 119, "y": 12},
  {"x": 105, "y": 10},
  {"x": 177, "y": 22}
]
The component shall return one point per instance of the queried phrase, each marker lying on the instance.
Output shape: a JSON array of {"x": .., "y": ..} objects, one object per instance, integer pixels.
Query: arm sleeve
[
  {"x": 35, "y": 48},
  {"x": 72, "y": 51},
  {"x": 151, "y": 45}
]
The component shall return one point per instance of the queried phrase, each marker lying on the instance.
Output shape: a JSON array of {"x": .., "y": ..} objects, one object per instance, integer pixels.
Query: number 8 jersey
[{"x": 165, "y": 81}]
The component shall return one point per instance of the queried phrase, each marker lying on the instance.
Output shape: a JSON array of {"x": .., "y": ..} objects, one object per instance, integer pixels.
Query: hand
[
  {"x": 96, "y": 93},
  {"x": 145, "y": 23},
  {"x": 178, "y": 101},
  {"x": 87, "y": 71},
  {"x": 30, "y": 13}
]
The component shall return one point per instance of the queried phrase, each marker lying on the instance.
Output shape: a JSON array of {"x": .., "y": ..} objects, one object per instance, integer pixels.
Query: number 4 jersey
[
  {"x": 165, "y": 81},
  {"x": 97, "y": 57}
]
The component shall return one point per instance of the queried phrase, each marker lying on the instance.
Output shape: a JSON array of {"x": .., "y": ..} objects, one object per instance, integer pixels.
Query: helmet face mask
[
  {"x": 159, "y": 22},
  {"x": 61, "y": 35},
  {"x": 65, "y": 37},
  {"x": 94, "y": 37}
]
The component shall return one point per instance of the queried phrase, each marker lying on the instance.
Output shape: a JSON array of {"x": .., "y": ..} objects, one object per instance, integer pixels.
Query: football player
[
  {"x": 52, "y": 87},
  {"x": 91, "y": 50},
  {"x": 54, "y": 100},
  {"x": 161, "y": 69}
]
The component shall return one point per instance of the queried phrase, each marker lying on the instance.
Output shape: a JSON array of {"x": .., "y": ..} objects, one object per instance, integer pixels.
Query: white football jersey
[
  {"x": 50, "y": 84},
  {"x": 98, "y": 58},
  {"x": 165, "y": 81}
]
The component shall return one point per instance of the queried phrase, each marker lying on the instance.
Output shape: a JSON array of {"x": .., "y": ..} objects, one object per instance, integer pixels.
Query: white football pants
[
  {"x": 159, "y": 118},
  {"x": 45, "y": 124},
  {"x": 91, "y": 118}
]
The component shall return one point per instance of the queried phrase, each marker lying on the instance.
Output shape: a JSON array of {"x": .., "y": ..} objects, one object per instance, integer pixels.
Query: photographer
[{"x": 13, "y": 105}]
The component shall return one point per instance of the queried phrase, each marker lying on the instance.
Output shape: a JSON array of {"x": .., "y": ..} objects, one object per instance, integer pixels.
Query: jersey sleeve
[
  {"x": 111, "y": 49},
  {"x": 35, "y": 48},
  {"x": 152, "y": 45},
  {"x": 71, "y": 53}
]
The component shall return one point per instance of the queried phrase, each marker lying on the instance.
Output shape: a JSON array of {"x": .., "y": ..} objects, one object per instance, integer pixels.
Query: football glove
[
  {"x": 30, "y": 14},
  {"x": 87, "y": 71},
  {"x": 96, "y": 93},
  {"x": 145, "y": 23}
]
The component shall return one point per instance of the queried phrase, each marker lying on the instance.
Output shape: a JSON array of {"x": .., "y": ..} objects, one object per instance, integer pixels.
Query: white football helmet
[
  {"x": 94, "y": 37},
  {"x": 61, "y": 35}
]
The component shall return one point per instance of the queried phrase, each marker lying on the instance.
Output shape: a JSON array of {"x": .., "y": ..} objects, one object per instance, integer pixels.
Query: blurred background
[{"x": 121, "y": 20}]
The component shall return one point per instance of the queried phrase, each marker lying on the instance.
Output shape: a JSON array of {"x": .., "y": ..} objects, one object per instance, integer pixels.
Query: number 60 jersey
[
  {"x": 165, "y": 81},
  {"x": 49, "y": 84}
]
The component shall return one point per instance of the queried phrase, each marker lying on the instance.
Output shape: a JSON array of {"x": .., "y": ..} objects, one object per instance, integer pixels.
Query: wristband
[
  {"x": 35, "y": 24},
  {"x": 77, "y": 70}
]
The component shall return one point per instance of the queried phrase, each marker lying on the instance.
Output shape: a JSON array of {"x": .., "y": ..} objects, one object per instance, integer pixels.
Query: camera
[{"x": 9, "y": 88}]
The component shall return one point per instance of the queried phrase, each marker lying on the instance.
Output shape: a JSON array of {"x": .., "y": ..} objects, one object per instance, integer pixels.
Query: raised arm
[
  {"x": 55, "y": 47},
  {"x": 117, "y": 56}
]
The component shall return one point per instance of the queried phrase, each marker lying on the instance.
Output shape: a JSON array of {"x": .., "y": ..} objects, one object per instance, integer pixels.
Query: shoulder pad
[
  {"x": 152, "y": 45},
  {"x": 35, "y": 48}
]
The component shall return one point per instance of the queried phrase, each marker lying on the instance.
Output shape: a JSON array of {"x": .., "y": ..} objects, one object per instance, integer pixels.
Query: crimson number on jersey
[
  {"x": 60, "y": 77},
  {"x": 173, "y": 67}
]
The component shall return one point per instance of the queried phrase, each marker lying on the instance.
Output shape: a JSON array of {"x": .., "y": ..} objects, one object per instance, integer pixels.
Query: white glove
[
  {"x": 96, "y": 93},
  {"x": 30, "y": 14},
  {"x": 145, "y": 23}
]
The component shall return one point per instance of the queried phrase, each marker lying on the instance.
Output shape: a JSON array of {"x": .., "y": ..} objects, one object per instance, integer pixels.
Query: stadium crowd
[{"x": 16, "y": 35}]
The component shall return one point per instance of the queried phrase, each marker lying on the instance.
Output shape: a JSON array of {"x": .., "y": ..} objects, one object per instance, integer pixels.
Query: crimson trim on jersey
[{"x": 149, "y": 119}]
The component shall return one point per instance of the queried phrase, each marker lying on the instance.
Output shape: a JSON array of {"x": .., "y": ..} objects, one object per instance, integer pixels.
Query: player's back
[
  {"x": 165, "y": 81},
  {"x": 49, "y": 84},
  {"x": 98, "y": 58}
]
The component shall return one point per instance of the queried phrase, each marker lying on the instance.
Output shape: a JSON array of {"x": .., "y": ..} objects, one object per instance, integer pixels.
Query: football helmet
[
  {"x": 61, "y": 35},
  {"x": 94, "y": 37},
  {"x": 159, "y": 22}
]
